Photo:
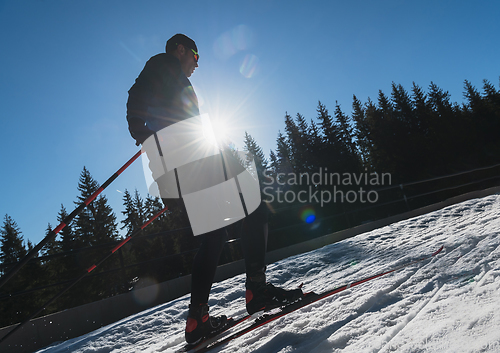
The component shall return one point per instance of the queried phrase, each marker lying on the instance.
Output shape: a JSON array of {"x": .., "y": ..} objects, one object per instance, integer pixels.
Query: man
[{"x": 162, "y": 96}]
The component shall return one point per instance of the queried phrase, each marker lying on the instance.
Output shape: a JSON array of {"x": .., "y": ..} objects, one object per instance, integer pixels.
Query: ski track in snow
[{"x": 449, "y": 303}]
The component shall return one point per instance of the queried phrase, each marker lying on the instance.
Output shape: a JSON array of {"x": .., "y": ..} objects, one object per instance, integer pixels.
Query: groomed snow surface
[{"x": 450, "y": 303}]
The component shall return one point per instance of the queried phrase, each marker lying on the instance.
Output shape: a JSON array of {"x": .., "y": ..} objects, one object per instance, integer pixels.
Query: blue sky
[{"x": 66, "y": 67}]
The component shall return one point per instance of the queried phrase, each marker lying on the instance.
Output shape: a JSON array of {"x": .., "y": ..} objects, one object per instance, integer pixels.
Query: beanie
[{"x": 180, "y": 39}]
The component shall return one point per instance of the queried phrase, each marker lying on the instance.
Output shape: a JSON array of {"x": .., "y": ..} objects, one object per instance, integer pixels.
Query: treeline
[
  {"x": 410, "y": 135},
  {"x": 400, "y": 138},
  {"x": 406, "y": 136}
]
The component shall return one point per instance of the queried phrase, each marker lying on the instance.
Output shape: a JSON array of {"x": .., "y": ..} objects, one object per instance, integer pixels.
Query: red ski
[{"x": 308, "y": 298}]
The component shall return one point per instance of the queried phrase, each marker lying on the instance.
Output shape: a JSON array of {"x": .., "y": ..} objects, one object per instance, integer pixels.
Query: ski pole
[
  {"x": 90, "y": 269},
  {"x": 52, "y": 234}
]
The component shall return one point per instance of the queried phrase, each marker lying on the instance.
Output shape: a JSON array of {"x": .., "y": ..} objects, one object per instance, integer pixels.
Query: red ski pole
[{"x": 52, "y": 234}]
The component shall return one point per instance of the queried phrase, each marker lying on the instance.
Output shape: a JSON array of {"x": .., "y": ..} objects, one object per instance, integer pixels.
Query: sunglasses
[{"x": 196, "y": 55}]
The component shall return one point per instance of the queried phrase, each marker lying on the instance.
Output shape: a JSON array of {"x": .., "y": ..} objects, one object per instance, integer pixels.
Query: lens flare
[
  {"x": 308, "y": 215},
  {"x": 249, "y": 65},
  {"x": 231, "y": 42},
  {"x": 146, "y": 291}
]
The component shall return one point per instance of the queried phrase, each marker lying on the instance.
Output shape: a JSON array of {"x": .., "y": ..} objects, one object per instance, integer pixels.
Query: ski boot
[
  {"x": 200, "y": 325},
  {"x": 262, "y": 296}
]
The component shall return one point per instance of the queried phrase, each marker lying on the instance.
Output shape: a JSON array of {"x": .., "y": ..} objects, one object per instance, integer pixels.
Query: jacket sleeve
[
  {"x": 138, "y": 97},
  {"x": 138, "y": 129}
]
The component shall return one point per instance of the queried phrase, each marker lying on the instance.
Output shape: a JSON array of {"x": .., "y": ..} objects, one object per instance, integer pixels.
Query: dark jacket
[{"x": 161, "y": 96}]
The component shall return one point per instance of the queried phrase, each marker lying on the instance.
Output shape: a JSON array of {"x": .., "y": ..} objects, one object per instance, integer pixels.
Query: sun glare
[
  {"x": 221, "y": 132},
  {"x": 215, "y": 132}
]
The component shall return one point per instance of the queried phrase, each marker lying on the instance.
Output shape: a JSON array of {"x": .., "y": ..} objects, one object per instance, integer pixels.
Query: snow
[{"x": 450, "y": 303}]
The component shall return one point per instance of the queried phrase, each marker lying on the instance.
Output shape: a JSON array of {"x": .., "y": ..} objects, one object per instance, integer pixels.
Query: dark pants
[{"x": 253, "y": 231}]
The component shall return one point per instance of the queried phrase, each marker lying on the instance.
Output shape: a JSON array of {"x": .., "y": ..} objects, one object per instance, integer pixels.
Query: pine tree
[
  {"x": 69, "y": 240},
  {"x": 134, "y": 212},
  {"x": 153, "y": 205},
  {"x": 408, "y": 139},
  {"x": 402, "y": 107},
  {"x": 12, "y": 247},
  {"x": 385, "y": 107},
  {"x": 97, "y": 223},
  {"x": 492, "y": 95},
  {"x": 282, "y": 162},
  {"x": 48, "y": 271},
  {"x": 302, "y": 125},
  {"x": 273, "y": 165},
  {"x": 449, "y": 127},
  {"x": 483, "y": 117},
  {"x": 440, "y": 101},
  {"x": 332, "y": 147},
  {"x": 425, "y": 140},
  {"x": 326, "y": 123},
  {"x": 362, "y": 132},
  {"x": 53, "y": 246},
  {"x": 256, "y": 152},
  {"x": 315, "y": 145},
  {"x": 299, "y": 143},
  {"x": 348, "y": 148},
  {"x": 422, "y": 110},
  {"x": 105, "y": 225},
  {"x": 491, "y": 100},
  {"x": 84, "y": 227}
]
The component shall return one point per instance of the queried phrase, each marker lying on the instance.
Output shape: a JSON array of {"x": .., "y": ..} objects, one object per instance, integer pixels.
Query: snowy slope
[{"x": 448, "y": 304}]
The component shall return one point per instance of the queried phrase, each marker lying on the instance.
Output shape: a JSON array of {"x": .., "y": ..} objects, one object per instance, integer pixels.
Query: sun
[
  {"x": 221, "y": 132},
  {"x": 215, "y": 131}
]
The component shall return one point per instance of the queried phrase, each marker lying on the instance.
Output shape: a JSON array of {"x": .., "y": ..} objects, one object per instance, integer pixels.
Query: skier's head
[{"x": 184, "y": 48}]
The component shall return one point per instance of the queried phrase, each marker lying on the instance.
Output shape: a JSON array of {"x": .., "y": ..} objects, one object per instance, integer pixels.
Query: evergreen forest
[{"x": 325, "y": 174}]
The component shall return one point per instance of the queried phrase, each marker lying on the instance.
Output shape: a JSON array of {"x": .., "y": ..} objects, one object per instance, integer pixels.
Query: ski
[
  {"x": 229, "y": 325},
  {"x": 307, "y": 299},
  {"x": 217, "y": 336}
]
